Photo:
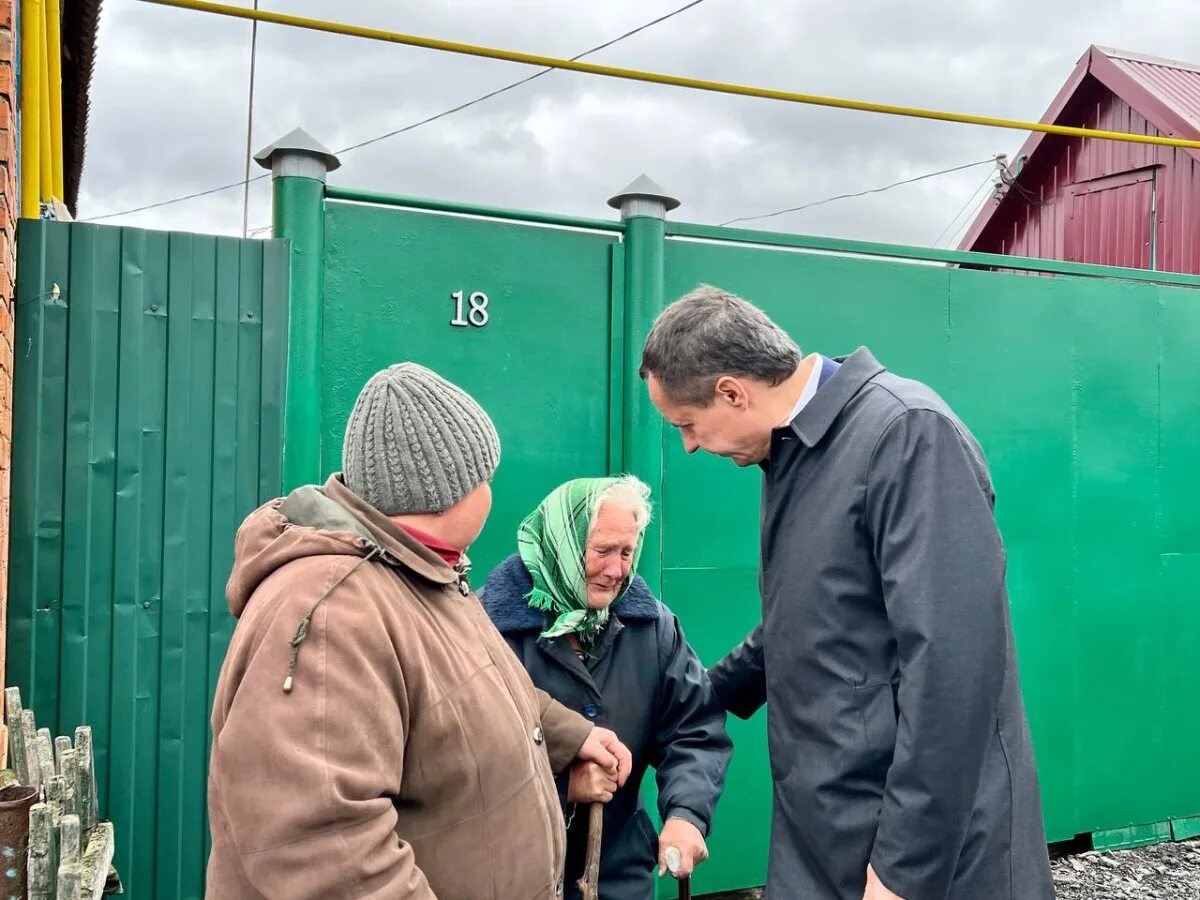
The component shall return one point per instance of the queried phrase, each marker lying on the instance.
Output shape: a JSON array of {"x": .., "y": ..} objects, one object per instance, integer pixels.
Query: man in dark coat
[
  {"x": 900, "y": 753},
  {"x": 592, "y": 635}
]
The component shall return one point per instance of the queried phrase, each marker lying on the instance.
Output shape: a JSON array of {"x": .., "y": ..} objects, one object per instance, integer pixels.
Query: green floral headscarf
[{"x": 552, "y": 541}]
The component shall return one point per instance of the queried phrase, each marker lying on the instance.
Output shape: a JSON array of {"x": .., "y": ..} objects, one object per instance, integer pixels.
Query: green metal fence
[
  {"x": 147, "y": 423},
  {"x": 150, "y": 403},
  {"x": 1082, "y": 388}
]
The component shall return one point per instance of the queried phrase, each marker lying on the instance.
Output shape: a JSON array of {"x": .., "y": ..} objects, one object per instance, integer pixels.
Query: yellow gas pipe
[
  {"x": 31, "y": 107},
  {"x": 42, "y": 167}
]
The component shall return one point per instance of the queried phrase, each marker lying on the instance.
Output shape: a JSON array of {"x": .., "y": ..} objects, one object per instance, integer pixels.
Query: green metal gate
[
  {"x": 147, "y": 423},
  {"x": 532, "y": 341}
]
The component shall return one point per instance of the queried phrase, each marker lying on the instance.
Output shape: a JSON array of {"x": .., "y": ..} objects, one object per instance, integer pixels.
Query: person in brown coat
[{"x": 373, "y": 735}]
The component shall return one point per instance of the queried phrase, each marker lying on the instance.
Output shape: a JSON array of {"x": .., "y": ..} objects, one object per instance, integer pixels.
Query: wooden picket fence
[{"x": 69, "y": 850}]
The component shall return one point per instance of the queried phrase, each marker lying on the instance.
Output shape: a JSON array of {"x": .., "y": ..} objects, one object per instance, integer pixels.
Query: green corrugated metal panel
[
  {"x": 540, "y": 365},
  {"x": 148, "y": 420}
]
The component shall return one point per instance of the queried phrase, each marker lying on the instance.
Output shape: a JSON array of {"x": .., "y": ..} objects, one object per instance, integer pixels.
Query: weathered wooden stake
[
  {"x": 45, "y": 751},
  {"x": 56, "y": 789},
  {"x": 70, "y": 776},
  {"x": 97, "y": 859},
  {"x": 86, "y": 786},
  {"x": 61, "y": 743},
  {"x": 41, "y": 853},
  {"x": 69, "y": 882},
  {"x": 12, "y": 702},
  {"x": 29, "y": 735},
  {"x": 68, "y": 840},
  {"x": 16, "y": 748},
  {"x": 16, "y": 737}
]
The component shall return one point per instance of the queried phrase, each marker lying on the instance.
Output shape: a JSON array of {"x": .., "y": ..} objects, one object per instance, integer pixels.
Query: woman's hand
[
  {"x": 590, "y": 783},
  {"x": 687, "y": 839},
  {"x": 604, "y": 747}
]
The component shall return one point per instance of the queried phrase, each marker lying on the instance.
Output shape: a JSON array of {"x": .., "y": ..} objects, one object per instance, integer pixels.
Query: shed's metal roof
[{"x": 1166, "y": 93}]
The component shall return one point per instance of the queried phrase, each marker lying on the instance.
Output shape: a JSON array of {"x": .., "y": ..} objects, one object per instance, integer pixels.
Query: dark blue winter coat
[{"x": 645, "y": 683}]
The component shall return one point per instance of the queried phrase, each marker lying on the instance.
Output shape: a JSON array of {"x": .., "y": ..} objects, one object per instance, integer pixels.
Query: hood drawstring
[{"x": 302, "y": 628}]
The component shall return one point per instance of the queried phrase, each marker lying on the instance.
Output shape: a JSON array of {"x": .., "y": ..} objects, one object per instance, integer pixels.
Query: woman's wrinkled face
[{"x": 609, "y": 554}]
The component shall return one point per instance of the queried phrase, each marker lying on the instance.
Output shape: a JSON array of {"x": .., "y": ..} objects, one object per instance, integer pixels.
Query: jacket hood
[{"x": 327, "y": 520}]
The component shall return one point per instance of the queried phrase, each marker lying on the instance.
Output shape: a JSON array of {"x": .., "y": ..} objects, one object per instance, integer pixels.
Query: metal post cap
[
  {"x": 643, "y": 189},
  {"x": 643, "y": 197},
  {"x": 297, "y": 153}
]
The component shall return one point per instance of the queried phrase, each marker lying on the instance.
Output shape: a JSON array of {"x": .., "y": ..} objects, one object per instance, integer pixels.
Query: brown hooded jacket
[{"x": 373, "y": 736}]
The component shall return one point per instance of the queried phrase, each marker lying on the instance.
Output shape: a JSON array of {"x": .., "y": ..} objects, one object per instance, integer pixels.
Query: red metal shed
[{"x": 1106, "y": 202}]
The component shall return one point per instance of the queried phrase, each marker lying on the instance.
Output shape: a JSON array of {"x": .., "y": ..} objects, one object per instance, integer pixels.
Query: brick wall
[{"x": 8, "y": 263}]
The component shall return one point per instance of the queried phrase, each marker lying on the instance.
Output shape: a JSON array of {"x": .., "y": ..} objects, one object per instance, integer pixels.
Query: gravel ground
[{"x": 1166, "y": 871}]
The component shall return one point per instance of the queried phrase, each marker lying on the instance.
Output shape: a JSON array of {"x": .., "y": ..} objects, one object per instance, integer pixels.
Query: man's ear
[{"x": 732, "y": 391}]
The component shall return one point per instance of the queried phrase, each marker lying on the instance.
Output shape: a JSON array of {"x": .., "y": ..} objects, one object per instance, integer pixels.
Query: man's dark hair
[{"x": 709, "y": 333}]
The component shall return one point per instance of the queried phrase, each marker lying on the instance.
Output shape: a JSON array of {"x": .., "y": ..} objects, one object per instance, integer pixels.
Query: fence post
[
  {"x": 298, "y": 167},
  {"x": 644, "y": 207}
]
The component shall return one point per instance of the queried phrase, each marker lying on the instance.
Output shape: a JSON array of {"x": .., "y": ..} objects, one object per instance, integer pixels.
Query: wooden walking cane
[{"x": 589, "y": 884}]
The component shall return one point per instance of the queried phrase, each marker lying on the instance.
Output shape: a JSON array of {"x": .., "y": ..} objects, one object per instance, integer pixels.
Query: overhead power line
[
  {"x": 138, "y": 209},
  {"x": 878, "y": 190},
  {"x": 526, "y": 80},
  {"x": 987, "y": 180},
  {"x": 407, "y": 128},
  {"x": 961, "y": 230},
  {"x": 698, "y": 84}
]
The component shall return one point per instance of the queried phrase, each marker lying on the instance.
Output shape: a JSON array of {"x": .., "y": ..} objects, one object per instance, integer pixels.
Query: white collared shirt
[{"x": 810, "y": 388}]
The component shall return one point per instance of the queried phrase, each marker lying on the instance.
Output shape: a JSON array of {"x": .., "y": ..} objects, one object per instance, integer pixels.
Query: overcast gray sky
[{"x": 168, "y": 114}]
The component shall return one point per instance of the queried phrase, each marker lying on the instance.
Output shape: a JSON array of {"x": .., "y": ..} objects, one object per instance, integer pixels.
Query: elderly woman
[{"x": 591, "y": 634}]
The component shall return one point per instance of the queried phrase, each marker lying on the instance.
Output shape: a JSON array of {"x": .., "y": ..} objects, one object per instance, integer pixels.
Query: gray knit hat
[{"x": 416, "y": 443}]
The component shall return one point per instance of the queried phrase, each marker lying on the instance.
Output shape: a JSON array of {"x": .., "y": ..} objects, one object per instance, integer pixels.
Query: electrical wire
[
  {"x": 663, "y": 78},
  {"x": 526, "y": 80},
  {"x": 407, "y": 128},
  {"x": 987, "y": 180},
  {"x": 878, "y": 190},
  {"x": 957, "y": 234},
  {"x": 138, "y": 209}
]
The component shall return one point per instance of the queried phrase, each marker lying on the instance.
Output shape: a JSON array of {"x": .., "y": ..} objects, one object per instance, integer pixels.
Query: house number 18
[{"x": 477, "y": 315}]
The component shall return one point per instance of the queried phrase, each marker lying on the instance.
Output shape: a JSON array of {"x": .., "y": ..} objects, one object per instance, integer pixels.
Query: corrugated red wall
[{"x": 1101, "y": 226}]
